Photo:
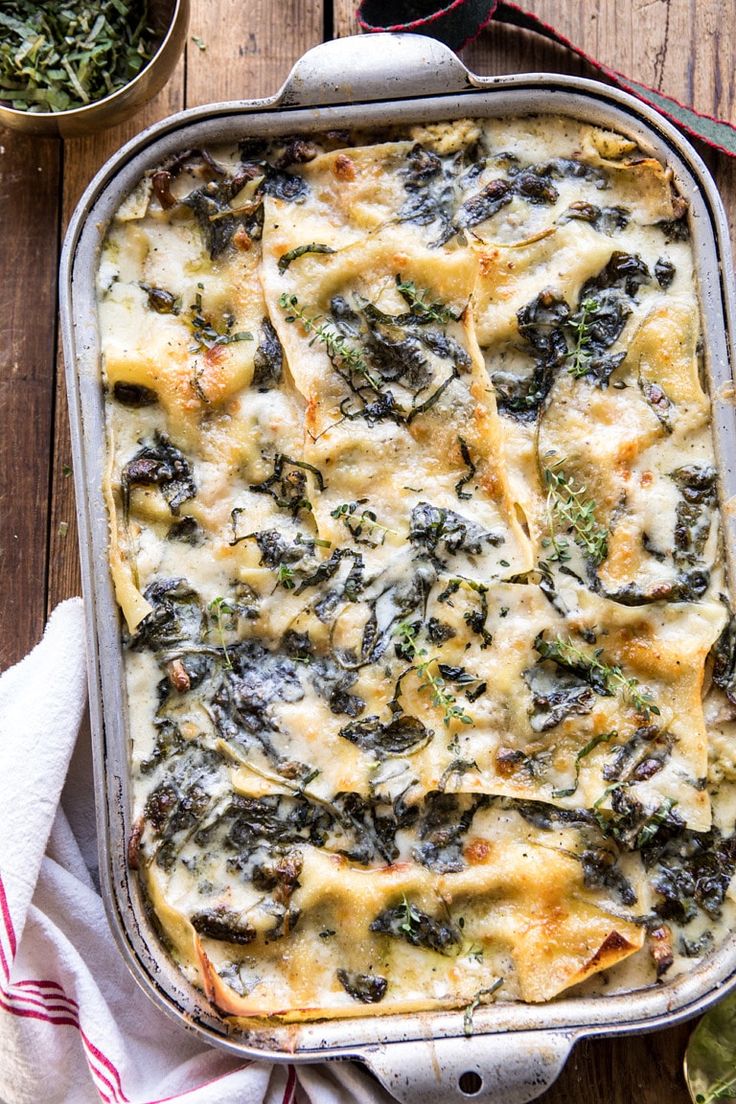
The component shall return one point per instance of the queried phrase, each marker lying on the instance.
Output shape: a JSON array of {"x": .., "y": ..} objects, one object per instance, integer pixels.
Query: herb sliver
[
  {"x": 312, "y": 247},
  {"x": 65, "y": 54}
]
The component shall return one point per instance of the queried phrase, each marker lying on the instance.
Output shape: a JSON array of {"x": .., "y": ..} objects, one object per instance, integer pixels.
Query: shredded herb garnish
[
  {"x": 468, "y": 461},
  {"x": 599, "y": 738},
  {"x": 605, "y": 678},
  {"x": 285, "y": 576},
  {"x": 476, "y": 1002},
  {"x": 64, "y": 54},
  {"x": 567, "y": 504},
  {"x": 311, "y": 247},
  {"x": 206, "y": 335}
]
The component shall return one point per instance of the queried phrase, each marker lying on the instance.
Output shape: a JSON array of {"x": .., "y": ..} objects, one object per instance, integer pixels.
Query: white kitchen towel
[{"x": 74, "y": 1026}]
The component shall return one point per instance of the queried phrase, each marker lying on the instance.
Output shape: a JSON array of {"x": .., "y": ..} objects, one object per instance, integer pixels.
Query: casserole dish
[{"x": 425, "y": 1055}]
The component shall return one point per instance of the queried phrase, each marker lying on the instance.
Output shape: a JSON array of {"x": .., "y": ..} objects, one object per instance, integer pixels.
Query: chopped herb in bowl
[{"x": 65, "y": 54}]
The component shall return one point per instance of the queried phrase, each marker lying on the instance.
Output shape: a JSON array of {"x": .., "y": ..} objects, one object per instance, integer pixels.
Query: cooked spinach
[
  {"x": 268, "y": 361},
  {"x": 641, "y": 757},
  {"x": 177, "y": 616},
  {"x": 677, "y": 229},
  {"x": 217, "y": 219},
  {"x": 606, "y": 220},
  {"x": 690, "y": 871},
  {"x": 697, "y": 485},
  {"x": 444, "y": 821},
  {"x": 600, "y": 869},
  {"x": 432, "y": 526},
  {"x": 287, "y": 484},
  {"x": 417, "y": 928},
  {"x": 333, "y": 683},
  {"x": 665, "y": 272},
  {"x": 484, "y": 204},
  {"x": 257, "y": 678},
  {"x": 556, "y": 697},
  {"x": 401, "y": 735},
  {"x": 162, "y": 465},
  {"x": 366, "y": 988},
  {"x": 187, "y": 530},
  {"x": 724, "y": 660},
  {"x": 223, "y": 924},
  {"x": 541, "y": 325},
  {"x": 282, "y": 185},
  {"x": 465, "y": 479},
  {"x": 429, "y": 193},
  {"x": 134, "y": 394}
]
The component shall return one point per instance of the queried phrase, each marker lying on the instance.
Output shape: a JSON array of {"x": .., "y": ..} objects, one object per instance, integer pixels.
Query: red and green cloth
[{"x": 459, "y": 22}]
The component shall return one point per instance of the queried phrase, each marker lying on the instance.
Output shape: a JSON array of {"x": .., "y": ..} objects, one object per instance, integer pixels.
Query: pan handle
[
  {"x": 373, "y": 67},
  {"x": 509, "y": 1068}
]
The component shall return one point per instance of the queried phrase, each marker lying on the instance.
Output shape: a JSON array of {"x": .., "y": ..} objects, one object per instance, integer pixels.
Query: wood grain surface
[{"x": 684, "y": 47}]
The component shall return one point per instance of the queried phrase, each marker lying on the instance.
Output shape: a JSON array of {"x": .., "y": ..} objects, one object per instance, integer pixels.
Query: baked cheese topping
[{"x": 414, "y": 528}]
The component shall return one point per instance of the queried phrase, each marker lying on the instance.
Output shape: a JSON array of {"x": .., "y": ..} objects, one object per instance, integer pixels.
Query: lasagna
[{"x": 414, "y": 531}]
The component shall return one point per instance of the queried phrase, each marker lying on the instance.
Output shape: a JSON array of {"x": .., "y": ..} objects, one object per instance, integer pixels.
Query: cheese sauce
[{"x": 414, "y": 530}]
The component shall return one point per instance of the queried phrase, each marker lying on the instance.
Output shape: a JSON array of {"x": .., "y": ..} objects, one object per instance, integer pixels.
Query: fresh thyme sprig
[
  {"x": 321, "y": 329},
  {"x": 608, "y": 677},
  {"x": 580, "y": 356},
  {"x": 429, "y": 680},
  {"x": 421, "y": 306},
  {"x": 441, "y": 696},
  {"x": 567, "y": 504}
]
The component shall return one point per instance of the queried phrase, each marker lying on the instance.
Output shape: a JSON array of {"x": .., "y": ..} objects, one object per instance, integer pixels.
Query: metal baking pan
[{"x": 517, "y": 1050}]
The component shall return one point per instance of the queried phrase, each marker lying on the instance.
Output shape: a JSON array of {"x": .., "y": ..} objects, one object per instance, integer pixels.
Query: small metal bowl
[{"x": 169, "y": 20}]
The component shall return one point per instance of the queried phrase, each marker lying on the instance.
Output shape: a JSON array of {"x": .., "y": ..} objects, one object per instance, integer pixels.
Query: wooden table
[{"x": 685, "y": 47}]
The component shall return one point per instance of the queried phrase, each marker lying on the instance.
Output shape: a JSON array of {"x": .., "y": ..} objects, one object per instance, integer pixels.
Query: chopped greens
[{"x": 65, "y": 54}]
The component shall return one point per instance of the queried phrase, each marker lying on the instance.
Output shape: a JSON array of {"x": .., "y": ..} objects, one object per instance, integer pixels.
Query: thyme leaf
[{"x": 580, "y": 356}]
